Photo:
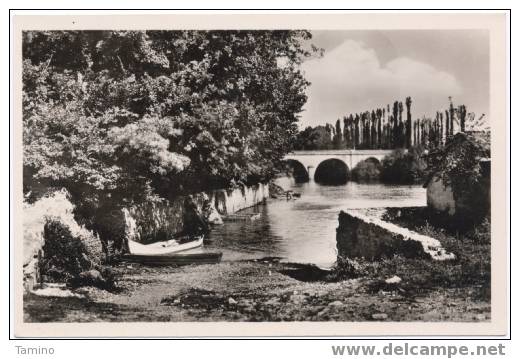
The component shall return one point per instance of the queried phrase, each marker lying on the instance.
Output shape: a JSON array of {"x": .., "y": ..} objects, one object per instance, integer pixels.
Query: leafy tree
[
  {"x": 404, "y": 167},
  {"x": 307, "y": 139},
  {"x": 119, "y": 117},
  {"x": 366, "y": 171}
]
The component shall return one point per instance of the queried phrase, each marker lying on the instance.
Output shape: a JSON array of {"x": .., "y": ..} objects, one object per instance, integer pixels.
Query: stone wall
[
  {"x": 150, "y": 222},
  {"x": 469, "y": 203},
  {"x": 439, "y": 196},
  {"x": 361, "y": 236},
  {"x": 231, "y": 201},
  {"x": 160, "y": 221}
]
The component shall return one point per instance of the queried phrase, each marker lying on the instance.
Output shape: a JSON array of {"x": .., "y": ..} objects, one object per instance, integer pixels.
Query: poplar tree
[
  {"x": 441, "y": 120},
  {"x": 379, "y": 119},
  {"x": 373, "y": 130},
  {"x": 448, "y": 122},
  {"x": 346, "y": 132},
  {"x": 462, "y": 118},
  {"x": 400, "y": 128},
  {"x": 408, "y": 122},
  {"x": 356, "y": 131},
  {"x": 338, "y": 135},
  {"x": 395, "y": 125},
  {"x": 452, "y": 115}
]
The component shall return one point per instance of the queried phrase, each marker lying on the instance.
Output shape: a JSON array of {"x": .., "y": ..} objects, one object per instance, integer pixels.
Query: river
[{"x": 303, "y": 230}]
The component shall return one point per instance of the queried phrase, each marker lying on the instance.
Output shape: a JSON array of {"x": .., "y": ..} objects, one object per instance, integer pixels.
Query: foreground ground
[
  {"x": 253, "y": 291},
  {"x": 267, "y": 290}
]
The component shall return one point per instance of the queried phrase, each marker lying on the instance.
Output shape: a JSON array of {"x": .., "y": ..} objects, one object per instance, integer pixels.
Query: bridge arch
[
  {"x": 332, "y": 171},
  {"x": 296, "y": 170}
]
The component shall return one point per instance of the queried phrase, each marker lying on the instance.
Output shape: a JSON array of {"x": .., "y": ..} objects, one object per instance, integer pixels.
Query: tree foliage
[
  {"x": 404, "y": 167},
  {"x": 119, "y": 116},
  {"x": 314, "y": 138},
  {"x": 366, "y": 171}
]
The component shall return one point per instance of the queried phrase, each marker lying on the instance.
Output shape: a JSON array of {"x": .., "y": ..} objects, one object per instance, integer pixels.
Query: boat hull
[
  {"x": 177, "y": 259},
  {"x": 163, "y": 248}
]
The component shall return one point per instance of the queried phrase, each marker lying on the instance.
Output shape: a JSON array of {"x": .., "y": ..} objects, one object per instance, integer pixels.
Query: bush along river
[{"x": 281, "y": 267}]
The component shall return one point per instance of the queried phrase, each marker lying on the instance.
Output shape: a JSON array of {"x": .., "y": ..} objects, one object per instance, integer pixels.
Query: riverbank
[
  {"x": 262, "y": 290},
  {"x": 246, "y": 288}
]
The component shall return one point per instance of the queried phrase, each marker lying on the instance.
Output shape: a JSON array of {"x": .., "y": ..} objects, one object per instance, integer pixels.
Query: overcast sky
[{"x": 363, "y": 70}]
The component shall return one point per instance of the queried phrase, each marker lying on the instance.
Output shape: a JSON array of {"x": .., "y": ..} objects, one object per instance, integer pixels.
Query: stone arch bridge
[{"x": 312, "y": 159}]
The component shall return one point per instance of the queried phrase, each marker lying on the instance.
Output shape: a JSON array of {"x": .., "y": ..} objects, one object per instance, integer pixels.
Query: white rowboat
[{"x": 163, "y": 248}]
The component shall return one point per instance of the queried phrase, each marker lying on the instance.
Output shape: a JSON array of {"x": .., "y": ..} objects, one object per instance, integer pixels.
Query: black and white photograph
[{"x": 251, "y": 174}]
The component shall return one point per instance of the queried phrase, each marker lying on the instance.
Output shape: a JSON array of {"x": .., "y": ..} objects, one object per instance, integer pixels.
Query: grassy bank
[{"x": 470, "y": 270}]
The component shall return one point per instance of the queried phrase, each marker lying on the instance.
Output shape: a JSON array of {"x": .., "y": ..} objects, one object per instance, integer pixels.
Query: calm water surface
[{"x": 304, "y": 230}]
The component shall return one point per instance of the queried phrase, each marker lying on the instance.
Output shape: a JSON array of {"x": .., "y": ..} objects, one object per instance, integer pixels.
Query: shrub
[
  {"x": 482, "y": 233},
  {"x": 54, "y": 205},
  {"x": 404, "y": 167},
  {"x": 64, "y": 255},
  {"x": 66, "y": 259},
  {"x": 346, "y": 268},
  {"x": 367, "y": 171}
]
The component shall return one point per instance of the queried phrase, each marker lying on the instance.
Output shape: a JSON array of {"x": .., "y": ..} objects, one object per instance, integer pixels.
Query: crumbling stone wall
[
  {"x": 360, "y": 236},
  {"x": 439, "y": 196}
]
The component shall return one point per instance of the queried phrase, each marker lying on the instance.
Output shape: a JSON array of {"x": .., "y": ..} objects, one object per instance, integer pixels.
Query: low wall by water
[
  {"x": 362, "y": 236},
  {"x": 161, "y": 221},
  {"x": 231, "y": 201}
]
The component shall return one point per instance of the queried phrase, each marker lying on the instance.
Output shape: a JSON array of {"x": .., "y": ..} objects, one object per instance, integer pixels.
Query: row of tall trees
[
  {"x": 386, "y": 128},
  {"x": 434, "y": 132}
]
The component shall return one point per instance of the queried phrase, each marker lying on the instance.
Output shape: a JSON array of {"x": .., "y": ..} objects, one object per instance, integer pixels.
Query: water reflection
[{"x": 304, "y": 230}]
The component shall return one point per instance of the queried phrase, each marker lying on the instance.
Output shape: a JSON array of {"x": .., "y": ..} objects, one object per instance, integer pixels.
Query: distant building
[{"x": 459, "y": 181}]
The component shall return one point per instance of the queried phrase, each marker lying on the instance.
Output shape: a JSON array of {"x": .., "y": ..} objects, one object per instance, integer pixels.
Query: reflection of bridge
[{"x": 312, "y": 159}]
